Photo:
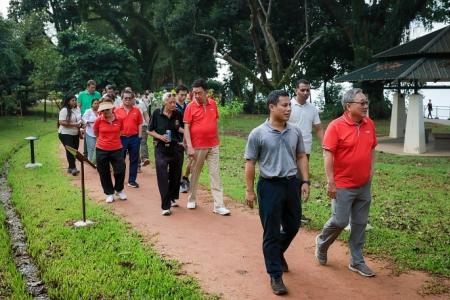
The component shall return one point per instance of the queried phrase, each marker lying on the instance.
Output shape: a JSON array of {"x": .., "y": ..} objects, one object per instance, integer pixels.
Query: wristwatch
[{"x": 307, "y": 182}]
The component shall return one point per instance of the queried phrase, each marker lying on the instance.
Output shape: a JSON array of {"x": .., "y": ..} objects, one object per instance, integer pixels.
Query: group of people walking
[
  {"x": 114, "y": 129},
  {"x": 281, "y": 146}
]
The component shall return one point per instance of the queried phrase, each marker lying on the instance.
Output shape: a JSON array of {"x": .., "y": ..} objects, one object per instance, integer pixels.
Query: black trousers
[
  {"x": 72, "y": 141},
  {"x": 105, "y": 159},
  {"x": 169, "y": 163},
  {"x": 279, "y": 205}
]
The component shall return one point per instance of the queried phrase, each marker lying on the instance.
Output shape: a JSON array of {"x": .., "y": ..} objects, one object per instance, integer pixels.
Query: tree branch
[{"x": 290, "y": 69}]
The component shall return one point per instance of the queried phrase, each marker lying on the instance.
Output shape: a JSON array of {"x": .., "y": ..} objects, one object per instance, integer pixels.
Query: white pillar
[
  {"x": 415, "y": 128},
  {"x": 398, "y": 116}
]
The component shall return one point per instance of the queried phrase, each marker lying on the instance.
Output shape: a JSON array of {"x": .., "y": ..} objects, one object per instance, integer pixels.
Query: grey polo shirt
[{"x": 275, "y": 151}]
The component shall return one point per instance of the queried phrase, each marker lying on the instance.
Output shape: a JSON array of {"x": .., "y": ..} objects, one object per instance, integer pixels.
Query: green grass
[
  {"x": 13, "y": 130},
  {"x": 411, "y": 198},
  {"x": 105, "y": 261}
]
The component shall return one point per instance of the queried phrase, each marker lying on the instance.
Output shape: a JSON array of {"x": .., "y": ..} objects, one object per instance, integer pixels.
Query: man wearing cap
[
  {"x": 130, "y": 134},
  {"x": 349, "y": 155}
]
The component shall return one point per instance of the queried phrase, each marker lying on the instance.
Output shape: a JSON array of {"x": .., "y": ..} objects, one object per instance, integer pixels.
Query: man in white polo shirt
[{"x": 306, "y": 116}]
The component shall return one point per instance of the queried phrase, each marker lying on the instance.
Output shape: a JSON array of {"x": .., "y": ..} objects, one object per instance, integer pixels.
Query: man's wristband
[{"x": 306, "y": 181}]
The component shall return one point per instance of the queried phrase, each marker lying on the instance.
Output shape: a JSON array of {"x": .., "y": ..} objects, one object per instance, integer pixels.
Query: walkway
[{"x": 224, "y": 253}]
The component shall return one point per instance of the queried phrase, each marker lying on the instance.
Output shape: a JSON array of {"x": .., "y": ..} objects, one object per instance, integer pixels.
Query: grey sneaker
[
  {"x": 362, "y": 269},
  {"x": 183, "y": 186},
  {"x": 321, "y": 256}
]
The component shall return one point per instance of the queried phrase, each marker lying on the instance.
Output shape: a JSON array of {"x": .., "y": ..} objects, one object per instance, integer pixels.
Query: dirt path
[{"x": 225, "y": 254}]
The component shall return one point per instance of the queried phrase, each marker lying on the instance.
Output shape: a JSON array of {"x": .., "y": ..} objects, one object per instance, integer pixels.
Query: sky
[{"x": 438, "y": 97}]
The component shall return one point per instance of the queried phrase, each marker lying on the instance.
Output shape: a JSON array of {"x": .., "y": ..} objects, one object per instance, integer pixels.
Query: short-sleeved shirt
[
  {"x": 304, "y": 116},
  {"x": 352, "y": 145},
  {"x": 89, "y": 118},
  {"x": 108, "y": 138},
  {"x": 202, "y": 120},
  {"x": 161, "y": 123},
  {"x": 85, "y": 100},
  {"x": 132, "y": 119},
  {"x": 275, "y": 151},
  {"x": 75, "y": 117}
]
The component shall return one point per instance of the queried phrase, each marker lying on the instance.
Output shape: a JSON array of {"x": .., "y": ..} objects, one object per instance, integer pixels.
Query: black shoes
[
  {"x": 284, "y": 265},
  {"x": 278, "y": 286}
]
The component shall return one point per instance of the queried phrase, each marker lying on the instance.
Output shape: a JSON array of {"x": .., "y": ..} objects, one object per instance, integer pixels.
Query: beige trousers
[{"x": 211, "y": 155}]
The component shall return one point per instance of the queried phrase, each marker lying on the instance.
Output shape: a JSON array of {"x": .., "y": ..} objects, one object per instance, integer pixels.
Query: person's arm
[
  {"x": 319, "y": 132},
  {"x": 187, "y": 136},
  {"x": 250, "y": 195},
  {"x": 303, "y": 168},
  {"x": 158, "y": 136},
  {"x": 372, "y": 167},
  {"x": 146, "y": 117},
  {"x": 96, "y": 127},
  {"x": 329, "y": 172}
]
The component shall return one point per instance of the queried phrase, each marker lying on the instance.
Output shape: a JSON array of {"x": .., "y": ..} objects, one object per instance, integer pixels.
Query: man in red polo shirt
[
  {"x": 130, "y": 134},
  {"x": 349, "y": 155},
  {"x": 202, "y": 138}
]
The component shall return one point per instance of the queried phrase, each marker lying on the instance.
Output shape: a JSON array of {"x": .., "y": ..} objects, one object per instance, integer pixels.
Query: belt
[
  {"x": 129, "y": 136},
  {"x": 280, "y": 178}
]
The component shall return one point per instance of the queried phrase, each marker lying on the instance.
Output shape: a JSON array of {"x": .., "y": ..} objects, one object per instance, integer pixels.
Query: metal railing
[{"x": 438, "y": 112}]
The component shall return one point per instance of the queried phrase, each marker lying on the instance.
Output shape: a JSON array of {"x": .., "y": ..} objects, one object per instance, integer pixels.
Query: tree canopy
[{"x": 152, "y": 43}]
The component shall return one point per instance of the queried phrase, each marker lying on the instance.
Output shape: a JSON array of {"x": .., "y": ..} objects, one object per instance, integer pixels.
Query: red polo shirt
[
  {"x": 352, "y": 145},
  {"x": 131, "y": 120},
  {"x": 202, "y": 120},
  {"x": 108, "y": 133}
]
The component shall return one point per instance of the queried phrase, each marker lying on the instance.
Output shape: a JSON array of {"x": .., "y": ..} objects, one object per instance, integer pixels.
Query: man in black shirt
[{"x": 165, "y": 127}]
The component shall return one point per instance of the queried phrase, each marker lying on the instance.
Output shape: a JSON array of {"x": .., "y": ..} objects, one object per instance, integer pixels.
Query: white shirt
[
  {"x": 89, "y": 118},
  {"x": 304, "y": 116},
  {"x": 75, "y": 117}
]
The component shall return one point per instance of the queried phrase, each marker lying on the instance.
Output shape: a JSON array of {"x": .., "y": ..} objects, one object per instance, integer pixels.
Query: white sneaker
[
  {"x": 174, "y": 203},
  {"x": 166, "y": 212},
  {"x": 110, "y": 199},
  {"x": 191, "y": 205},
  {"x": 223, "y": 211},
  {"x": 121, "y": 195}
]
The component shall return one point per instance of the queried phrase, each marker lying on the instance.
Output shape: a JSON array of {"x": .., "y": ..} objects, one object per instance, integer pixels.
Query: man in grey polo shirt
[{"x": 278, "y": 148}]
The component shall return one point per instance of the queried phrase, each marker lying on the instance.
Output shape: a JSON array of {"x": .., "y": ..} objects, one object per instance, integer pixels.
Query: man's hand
[
  {"x": 163, "y": 138},
  {"x": 190, "y": 151},
  {"x": 305, "y": 192},
  {"x": 251, "y": 198},
  {"x": 331, "y": 189}
]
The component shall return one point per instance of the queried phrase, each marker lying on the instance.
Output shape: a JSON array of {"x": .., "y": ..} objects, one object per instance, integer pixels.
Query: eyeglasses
[{"x": 362, "y": 103}]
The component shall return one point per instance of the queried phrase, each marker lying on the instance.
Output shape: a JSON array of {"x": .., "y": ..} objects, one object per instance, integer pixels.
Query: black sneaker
[
  {"x": 133, "y": 184},
  {"x": 284, "y": 265},
  {"x": 278, "y": 287}
]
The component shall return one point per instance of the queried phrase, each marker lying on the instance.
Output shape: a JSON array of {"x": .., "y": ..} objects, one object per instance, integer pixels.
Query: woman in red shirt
[{"x": 108, "y": 149}]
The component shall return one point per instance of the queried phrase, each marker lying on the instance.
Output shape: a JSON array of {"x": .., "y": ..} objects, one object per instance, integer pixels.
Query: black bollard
[{"x": 33, "y": 163}]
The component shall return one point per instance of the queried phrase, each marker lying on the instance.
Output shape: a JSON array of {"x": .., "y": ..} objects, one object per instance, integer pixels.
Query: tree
[
  {"x": 267, "y": 49},
  {"x": 86, "y": 56},
  {"x": 374, "y": 26}
]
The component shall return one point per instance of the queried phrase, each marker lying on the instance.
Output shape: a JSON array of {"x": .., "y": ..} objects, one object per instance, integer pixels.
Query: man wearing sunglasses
[{"x": 349, "y": 155}]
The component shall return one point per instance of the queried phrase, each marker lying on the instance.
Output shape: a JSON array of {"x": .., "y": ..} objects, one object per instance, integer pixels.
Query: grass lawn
[
  {"x": 104, "y": 261},
  {"x": 12, "y": 133},
  {"x": 411, "y": 198}
]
